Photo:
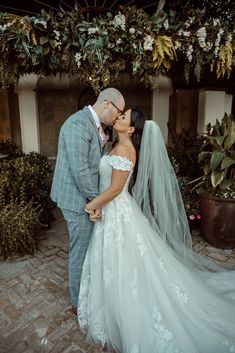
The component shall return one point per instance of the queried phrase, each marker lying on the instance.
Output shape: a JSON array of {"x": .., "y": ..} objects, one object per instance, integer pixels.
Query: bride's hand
[
  {"x": 97, "y": 214},
  {"x": 94, "y": 215}
]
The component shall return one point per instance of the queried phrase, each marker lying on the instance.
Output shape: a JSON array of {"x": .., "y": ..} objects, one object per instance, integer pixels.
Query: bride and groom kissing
[{"x": 136, "y": 283}]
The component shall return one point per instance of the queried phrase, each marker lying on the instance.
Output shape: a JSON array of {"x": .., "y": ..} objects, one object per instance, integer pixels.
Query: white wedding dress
[{"x": 137, "y": 297}]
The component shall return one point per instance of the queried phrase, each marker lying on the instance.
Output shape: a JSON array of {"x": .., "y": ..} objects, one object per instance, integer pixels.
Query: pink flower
[
  {"x": 192, "y": 217},
  {"x": 199, "y": 216}
]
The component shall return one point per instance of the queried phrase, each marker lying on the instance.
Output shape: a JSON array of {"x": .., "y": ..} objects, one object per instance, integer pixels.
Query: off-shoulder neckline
[{"x": 118, "y": 155}]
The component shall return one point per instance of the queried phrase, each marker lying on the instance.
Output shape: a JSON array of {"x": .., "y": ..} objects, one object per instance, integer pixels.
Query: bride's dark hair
[{"x": 138, "y": 119}]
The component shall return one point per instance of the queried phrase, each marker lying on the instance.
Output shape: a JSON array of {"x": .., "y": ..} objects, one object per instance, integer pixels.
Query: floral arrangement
[{"x": 100, "y": 49}]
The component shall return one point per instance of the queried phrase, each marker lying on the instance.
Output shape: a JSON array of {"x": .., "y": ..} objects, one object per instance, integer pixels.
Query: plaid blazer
[{"x": 76, "y": 175}]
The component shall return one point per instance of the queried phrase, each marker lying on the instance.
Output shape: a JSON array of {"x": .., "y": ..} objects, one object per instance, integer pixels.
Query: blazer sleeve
[{"x": 77, "y": 137}]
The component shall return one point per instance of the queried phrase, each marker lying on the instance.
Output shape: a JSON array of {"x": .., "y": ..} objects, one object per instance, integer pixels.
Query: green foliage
[
  {"x": 10, "y": 149},
  {"x": 19, "y": 228},
  {"x": 26, "y": 179},
  {"x": 25, "y": 204},
  {"x": 102, "y": 48},
  {"x": 183, "y": 153},
  {"x": 185, "y": 148},
  {"x": 217, "y": 158}
]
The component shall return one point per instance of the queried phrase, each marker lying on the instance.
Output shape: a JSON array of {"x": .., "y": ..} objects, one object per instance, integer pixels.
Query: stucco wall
[{"x": 56, "y": 104}]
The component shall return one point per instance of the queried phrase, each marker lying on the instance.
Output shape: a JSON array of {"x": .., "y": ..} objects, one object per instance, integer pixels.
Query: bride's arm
[{"x": 118, "y": 182}]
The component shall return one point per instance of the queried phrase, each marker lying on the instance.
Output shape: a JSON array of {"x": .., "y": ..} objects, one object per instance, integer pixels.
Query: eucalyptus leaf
[
  {"x": 52, "y": 43},
  {"x": 43, "y": 40},
  {"x": 46, "y": 50}
]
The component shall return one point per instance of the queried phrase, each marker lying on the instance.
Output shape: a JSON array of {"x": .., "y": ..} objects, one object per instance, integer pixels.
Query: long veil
[{"x": 157, "y": 193}]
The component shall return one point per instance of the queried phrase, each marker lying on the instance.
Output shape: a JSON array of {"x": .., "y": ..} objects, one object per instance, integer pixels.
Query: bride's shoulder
[{"x": 125, "y": 152}]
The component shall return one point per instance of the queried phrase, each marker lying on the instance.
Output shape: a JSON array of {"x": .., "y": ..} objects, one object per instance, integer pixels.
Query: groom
[{"x": 76, "y": 176}]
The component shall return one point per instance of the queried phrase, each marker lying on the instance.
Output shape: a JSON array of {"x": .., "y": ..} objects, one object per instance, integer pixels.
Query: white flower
[
  {"x": 216, "y": 22},
  {"x": 120, "y": 21},
  {"x": 189, "y": 22},
  {"x": 57, "y": 34},
  {"x": 177, "y": 45},
  {"x": 3, "y": 28},
  {"x": 58, "y": 43},
  {"x": 201, "y": 35},
  {"x": 148, "y": 42},
  {"x": 208, "y": 46},
  {"x": 93, "y": 30},
  {"x": 132, "y": 30},
  {"x": 111, "y": 45},
  {"x": 41, "y": 22},
  {"x": 78, "y": 57},
  {"x": 166, "y": 24},
  {"x": 118, "y": 41},
  {"x": 184, "y": 33},
  {"x": 189, "y": 53},
  {"x": 217, "y": 41}
]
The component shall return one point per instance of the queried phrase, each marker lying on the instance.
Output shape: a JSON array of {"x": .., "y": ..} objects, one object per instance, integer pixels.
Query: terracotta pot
[{"x": 218, "y": 221}]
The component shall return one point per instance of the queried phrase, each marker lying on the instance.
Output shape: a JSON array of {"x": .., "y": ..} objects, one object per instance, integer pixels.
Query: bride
[{"x": 143, "y": 288}]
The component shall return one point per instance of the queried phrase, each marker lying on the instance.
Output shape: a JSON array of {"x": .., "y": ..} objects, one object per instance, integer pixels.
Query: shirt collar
[{"x": 95, "y": 116}]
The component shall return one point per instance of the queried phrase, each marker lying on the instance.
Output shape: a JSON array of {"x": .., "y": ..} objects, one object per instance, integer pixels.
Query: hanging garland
[{"x": 101, "y": 49}]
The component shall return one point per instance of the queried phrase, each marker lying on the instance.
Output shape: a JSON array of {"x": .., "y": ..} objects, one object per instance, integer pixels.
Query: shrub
[
  {"x": 10, "y": 149},
  {"x": 183, "y": 153},
  {"x": 19, "y": 228},
  {"x": 25, "y": 179}
]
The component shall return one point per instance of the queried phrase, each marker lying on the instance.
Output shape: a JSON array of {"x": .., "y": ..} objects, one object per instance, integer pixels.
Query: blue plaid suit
[{"x": 76, "y": 178}]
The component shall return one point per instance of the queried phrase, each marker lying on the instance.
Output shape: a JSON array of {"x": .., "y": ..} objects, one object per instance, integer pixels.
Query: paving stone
[
  {"x": 12, "y": 312},
  {"x": 35, "y": 314}
]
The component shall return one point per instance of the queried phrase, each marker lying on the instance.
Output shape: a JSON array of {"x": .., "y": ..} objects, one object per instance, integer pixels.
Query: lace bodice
[{"x": 107, "y": 164}]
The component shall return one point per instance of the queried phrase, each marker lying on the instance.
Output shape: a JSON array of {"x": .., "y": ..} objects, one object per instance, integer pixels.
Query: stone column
[
  {"x": 160, "y": 103},
  {"x": 212, "y": 105},
  {"x": 28, "y": 113}
]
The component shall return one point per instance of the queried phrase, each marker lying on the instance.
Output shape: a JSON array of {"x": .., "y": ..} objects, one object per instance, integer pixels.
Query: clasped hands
[{"x": 94, "y": 215}]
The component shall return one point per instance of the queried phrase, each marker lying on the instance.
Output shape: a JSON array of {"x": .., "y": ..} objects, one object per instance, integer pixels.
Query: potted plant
[{"x": 217, "y": 187}]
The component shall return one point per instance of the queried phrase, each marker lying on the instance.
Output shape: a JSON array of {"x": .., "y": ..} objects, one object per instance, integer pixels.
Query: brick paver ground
[{"x": 35, "y": 311}]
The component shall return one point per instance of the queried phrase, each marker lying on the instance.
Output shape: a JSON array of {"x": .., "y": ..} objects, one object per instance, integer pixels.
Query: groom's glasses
[{"x": 120, "y": 112}]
